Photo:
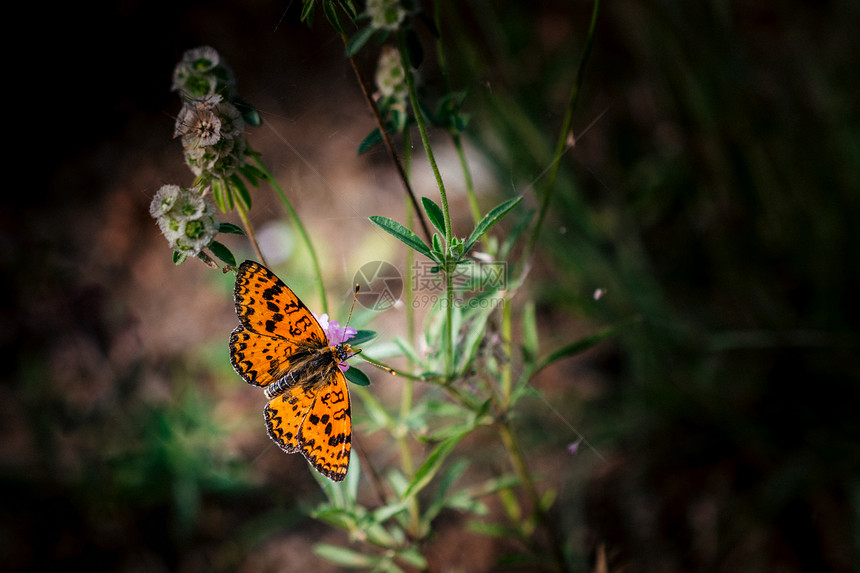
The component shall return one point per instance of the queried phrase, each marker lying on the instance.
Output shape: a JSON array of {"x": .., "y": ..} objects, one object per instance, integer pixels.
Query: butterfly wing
[
  {"x": 275, "y": 326},
  {"x": 285, "y": 414},
  {"x": 325, "y": 435},
  {"x": 314, "y": 420}
]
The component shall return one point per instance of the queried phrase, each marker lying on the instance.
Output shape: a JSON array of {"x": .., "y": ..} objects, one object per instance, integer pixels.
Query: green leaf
[
  {"x": 431, "y": 465},
  {"x": 230, "y": 228},
  {"x": 357, "y": 377},
  {"x": 488, "y": 221},
  {"x": 179, "y": 258},
  {"x": 238, "y": 186},
  {"x": 358, "y": 41},
  {"x": 530, "y": 333},
  {"x": 222, "y": 252},
  {"x": 438, "y": 250},
  {"x": 372, "y": 140},
  {"x": 253, "y": 174},
  {"x": 413, "y": 557},
  {"x": 223, "y": 197},
  {"x": 584, "y": 344},
  {"x": 451, "y": 475},
  {"x": 249, "y": 112},
  {"x": 343, "y": 556},
  {"x": 330, "y": 9},
  {"x": 362, "y": 336},
  {"x": 308, "y": 12},
  {"x": 491, "y": 529},
  {"x": 434, "y": 213},
  {"x": 397, "y": 230}
]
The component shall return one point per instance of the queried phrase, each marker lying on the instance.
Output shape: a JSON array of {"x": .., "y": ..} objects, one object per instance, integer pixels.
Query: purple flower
[
  {"x": 573, "y": 447},
  {"x": 336, "y": 334}
]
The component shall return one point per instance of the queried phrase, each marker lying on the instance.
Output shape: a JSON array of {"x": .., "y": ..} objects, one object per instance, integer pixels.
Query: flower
[
  {"x": 390, "y": 78},
  {"x": 201, "y": 72},
  {"x": 385, "y": 14},
  {"x": 336, "y": 334},
  {"x": 211, "y": 133},
  {"x": 186, "y": 217}
]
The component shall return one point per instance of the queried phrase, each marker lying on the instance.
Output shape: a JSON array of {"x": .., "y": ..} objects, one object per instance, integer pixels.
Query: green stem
[
  {"x": 302, "y": 232},
  {"x": 506, "y": 374},
  {"x": 562, "y": 143},
  {"x": 458, "y": 144},
  {"x": 446, "y": 214},
  {"x": 422, "y": 129},
  {"x": 518, "y": 461},
  {"x": 467, "y": 177},
  {"x": 249, "y": 229},
  {"x": 408, "y": 385},
  {"x": 386, "y": 140}
]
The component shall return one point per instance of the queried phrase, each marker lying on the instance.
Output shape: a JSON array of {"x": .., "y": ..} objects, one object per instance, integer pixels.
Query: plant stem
[
  {"x": 519, "y": 463},
  {"x": 562, "y": 143},
  {"x": 506, "y": 375},
  {"x": 249, "y": 229},
  {"x": 386, "y": 139},
  {"x": 422, "y": 128},
  {"x": 302, "y": 232},
  {"x": 458, "y": 143},
  {"x": 467, "y": 177},
  {"x": 446, "y": 214}
]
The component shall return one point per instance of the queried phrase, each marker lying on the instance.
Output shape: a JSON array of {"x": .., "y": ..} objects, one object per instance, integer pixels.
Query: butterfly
[{"x": 280, "y": 346}]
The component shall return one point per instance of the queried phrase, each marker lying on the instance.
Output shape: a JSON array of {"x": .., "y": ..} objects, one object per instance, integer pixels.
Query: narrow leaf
[
  {"x": 358, "y": 41},
  {"x": 330, "y": 10},
  {"x": 372, "y": 140},
  {"x": 343, "y": 556},
  {"x": 308, "y": 12},
  {"x": 431, "y": 465},
  {"x": 230, "y": 228},
  {"x": 583, "y": 344},
  {"x": 397, "y": 230},
  {"x": 489, "y": 220},
  {"x": 238, "y": 186},
  {"x": 434, "y": 213},
  {"x": 530, "y": 333}
]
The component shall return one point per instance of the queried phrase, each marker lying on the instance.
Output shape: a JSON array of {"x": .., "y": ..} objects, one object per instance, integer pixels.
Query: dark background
[{"x": 713, "y": 192}]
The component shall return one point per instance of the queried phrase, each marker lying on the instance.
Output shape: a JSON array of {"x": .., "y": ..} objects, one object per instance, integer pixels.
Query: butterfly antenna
[{"x": 348, "y": 318}]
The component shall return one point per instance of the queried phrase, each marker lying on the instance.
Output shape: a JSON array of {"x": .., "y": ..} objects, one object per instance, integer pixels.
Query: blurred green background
[{"x": 712, "y": 191}]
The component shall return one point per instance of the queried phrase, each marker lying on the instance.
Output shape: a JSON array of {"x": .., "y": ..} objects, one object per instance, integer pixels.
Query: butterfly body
[{"x": 280, "y": 346}]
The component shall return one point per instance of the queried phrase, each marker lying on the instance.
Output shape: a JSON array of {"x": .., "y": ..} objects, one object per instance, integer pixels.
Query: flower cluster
[
  {"x": 201, "y": 72},
  {"x": 385, "y": 14},
  {"x": 211, "y": 133},
  {"x": 390, "y": 78},
  {"x": 186, "y": 217}
]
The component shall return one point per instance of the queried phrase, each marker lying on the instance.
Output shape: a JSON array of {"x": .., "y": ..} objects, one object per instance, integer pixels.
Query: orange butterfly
[{"x": 281, "y": 346}]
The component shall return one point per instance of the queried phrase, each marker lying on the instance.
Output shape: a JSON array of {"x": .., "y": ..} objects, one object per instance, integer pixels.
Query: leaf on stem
[
  {"x": 358, "y": 41},
  {"x": 373, "y": 139},
  {"x": 222, "y": 252},
  {"x": 434, "y": 213},
  {"x": 488, "y": 221},
  {"x": 357, "y": 377},
  {"x": 397, "y": 230},
  {"x": 344, "y": 557},
  {"x": 431, "y": 465},
  {"x": 230, "y": 228}
]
